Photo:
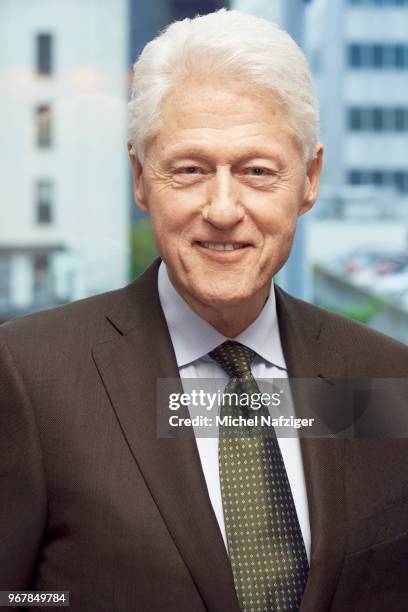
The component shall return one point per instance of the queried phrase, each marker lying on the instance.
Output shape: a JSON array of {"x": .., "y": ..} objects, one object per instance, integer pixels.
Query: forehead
[
  {"x": 221, "y": 117},
  {"x": 190, "y": 98}
]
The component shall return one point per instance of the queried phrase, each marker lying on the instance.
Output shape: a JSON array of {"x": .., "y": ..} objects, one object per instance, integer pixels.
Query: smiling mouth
[{"x": 222, "y": 246}]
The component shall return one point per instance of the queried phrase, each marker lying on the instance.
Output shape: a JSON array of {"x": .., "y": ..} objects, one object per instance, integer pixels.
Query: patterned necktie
[{"x": 265, "y": 543}]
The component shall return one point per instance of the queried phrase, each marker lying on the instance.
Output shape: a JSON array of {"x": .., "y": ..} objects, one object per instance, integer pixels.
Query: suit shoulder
[
  {"x": 346, "y": 330},
  {"x": 345, "y": 335},
  {"x": 75, "y": 318}
]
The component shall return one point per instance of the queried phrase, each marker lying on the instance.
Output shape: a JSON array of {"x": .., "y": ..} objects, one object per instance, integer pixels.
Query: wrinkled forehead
[
  {"x": 188, "y": 92},
  {"x": 228, "y": 114}
]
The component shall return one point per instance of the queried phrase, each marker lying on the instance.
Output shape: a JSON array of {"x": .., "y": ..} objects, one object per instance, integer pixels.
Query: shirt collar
[{"x": 193, "y": 337}]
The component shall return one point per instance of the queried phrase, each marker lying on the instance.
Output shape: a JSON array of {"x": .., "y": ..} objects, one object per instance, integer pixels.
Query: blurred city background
[{"x": 68, "y": 224}]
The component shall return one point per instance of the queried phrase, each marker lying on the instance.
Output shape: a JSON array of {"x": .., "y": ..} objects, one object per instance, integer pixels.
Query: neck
[
  {"x": 229, "y": 319},
  {"x": 233, "y": 321}
]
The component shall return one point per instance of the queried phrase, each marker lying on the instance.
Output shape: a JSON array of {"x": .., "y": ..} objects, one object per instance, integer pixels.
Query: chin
[{"x": 221, "y": 296}]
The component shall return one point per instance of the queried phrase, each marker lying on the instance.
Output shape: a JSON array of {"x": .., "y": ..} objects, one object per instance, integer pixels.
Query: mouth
[
  {"x": 222, "y": 252},
  {"x": 221, "y": 247}
]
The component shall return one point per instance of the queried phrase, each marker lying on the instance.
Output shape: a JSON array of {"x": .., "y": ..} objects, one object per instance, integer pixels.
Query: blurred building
[
  {"x": 148, "y": 17},
  {"x": 64, "y": 178},
  {"x": 359, "y": 52}
]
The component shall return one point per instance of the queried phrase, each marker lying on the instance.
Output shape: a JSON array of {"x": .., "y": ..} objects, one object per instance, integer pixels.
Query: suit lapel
[
  {"x": 308, "y": 356},
  {"x": 129, "y": 366}
]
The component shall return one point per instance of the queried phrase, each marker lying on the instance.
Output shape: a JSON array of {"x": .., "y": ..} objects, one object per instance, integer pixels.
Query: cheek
[
  {"x": 168, "y": 228},
  {"x": 175, "y": 215},
  {"x": 279, "y": 221},
  {"x": 160, "y": 230},
  {"x": 161, "y": 213}
]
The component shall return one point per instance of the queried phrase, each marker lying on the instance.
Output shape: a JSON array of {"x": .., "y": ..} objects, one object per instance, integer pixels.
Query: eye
[
  {"x": 188, "y": 170},
  {"x": 259, "y": 171},
  {"x": 259, "y": 177},
  {"x": 189, "y": 174}
]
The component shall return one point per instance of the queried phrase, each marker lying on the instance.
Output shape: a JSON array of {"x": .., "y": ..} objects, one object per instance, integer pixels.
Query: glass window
[
  {"x": 355, "y": 119},
  {"x": 401, "y": 181},
  {"x": 44, "y": 197},
  {"x": 405, "y": 183},
  {"x": 389, "y": 56},
  {"x": 366, "y": 55},
  {"x": 43, "y": 126},
  {"x": 44, "y": 214},
  {"x": 377, "y": 56},
  {"x": 366, "y": 177},
  {"x": 401, "y": 119},
  {"x": 398, "y": 179},
  {"x": 400, "y": 56},
  {"x": 354, "y": 55},
  {"x": 5, "y": 280},
  {"x": 44, "y": 54},
  {"x": 388, "y": 178},
  {"x": 389, "y": 119},
  {"x": 354, "y": 177},
  {"x": 40, "y": 278},
  {"x": 182, "y": 8},
  {"x": 378, "y": 177},
  {"x": 377, "y": 119}
]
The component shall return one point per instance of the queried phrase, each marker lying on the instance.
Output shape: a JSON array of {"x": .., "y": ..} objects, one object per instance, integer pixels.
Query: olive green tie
[{"x": 265, "y": 543}]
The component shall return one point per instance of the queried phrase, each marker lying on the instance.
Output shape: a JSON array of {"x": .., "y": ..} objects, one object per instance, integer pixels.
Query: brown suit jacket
[{"x": 94, "y": 503}]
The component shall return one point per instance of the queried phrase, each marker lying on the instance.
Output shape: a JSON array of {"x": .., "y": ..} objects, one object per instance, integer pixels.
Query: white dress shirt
[{"x": 193, "y": 338}]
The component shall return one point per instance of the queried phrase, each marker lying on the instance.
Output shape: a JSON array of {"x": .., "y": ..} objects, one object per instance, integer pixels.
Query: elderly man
[{"x": 225, "y": 158}]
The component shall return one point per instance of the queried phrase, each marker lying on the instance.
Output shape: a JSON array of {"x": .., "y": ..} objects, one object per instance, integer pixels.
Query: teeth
[{"x": 217, "y": 246}]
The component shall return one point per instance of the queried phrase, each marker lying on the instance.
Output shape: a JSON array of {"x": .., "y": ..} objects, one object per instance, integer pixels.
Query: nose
[{"x": 223, "y": 208}]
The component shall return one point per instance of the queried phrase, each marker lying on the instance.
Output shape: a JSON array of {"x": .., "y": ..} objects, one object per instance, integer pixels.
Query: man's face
[{"x": 224, "y": 182}]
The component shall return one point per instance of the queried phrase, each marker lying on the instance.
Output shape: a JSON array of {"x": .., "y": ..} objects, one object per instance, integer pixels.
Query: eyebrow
[{"x": 202, "y": 153}]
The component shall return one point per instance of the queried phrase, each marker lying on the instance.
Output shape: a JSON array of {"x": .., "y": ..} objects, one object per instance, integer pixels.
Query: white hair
[{"x": 225, "y": 43}]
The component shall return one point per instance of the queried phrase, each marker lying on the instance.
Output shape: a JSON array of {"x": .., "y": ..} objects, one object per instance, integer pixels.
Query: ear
[
  {"x": 312, "y": 179},
  {"x": 138, "y": 179}
]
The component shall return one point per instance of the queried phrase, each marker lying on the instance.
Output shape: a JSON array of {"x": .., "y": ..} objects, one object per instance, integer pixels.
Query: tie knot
[{"x": 233, "y": 357}]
